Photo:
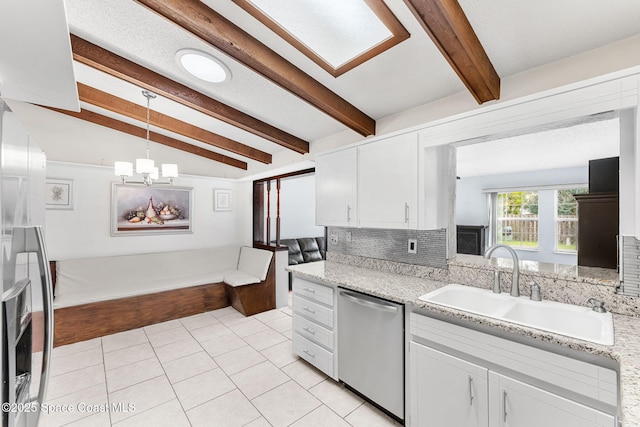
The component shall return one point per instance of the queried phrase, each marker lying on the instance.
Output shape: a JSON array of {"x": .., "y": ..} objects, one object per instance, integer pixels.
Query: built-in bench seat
[{"x": 104, "y": 295}]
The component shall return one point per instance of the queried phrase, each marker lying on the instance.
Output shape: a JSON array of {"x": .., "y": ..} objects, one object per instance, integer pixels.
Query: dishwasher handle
[{"x": 382, "y": 306}]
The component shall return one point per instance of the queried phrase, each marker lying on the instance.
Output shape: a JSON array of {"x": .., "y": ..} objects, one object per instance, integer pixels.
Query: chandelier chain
[{"x": 149, "y": 97}]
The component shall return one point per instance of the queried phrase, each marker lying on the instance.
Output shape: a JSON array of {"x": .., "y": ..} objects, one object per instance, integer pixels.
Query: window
[
  {"x": 517, "y": 219},
  {"x": 336, "y": 35},
  {"x": 567, "y": 219}
]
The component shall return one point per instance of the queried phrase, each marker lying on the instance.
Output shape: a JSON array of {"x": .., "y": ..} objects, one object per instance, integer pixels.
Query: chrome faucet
[{"x": 515, "y": 278}]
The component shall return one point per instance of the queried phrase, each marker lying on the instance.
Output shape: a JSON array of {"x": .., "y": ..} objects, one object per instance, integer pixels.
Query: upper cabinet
[
  {"x": 374, "y": 185},
  {"x": 399, "y": 182},
  {"x": 388, "y": 183},
  {"x": 52, "y": 81},
  {"x": 336, "y": 186}
]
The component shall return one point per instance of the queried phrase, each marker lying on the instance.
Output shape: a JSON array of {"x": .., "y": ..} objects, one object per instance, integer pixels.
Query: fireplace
[{"x": 471, "y": 239}]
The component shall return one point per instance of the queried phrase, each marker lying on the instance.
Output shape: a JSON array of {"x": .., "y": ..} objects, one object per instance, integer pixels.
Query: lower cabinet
[
  {"x": 508, "y": 384},
  {"x": 515, "y": 403},
  {"x": 314, "y": 337},
  {"x": 446, "y": 391}
]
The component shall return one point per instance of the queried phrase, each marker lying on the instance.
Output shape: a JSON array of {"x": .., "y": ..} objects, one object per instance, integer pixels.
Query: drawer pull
[
  {"x": 471, "y": 390},
  {"x": 310, "y": 331},
  {"x": 504, "y": 406},
  {"x": 308, "y": 310},
  {"x": 313, "y": 291},
  {"x": 309, "y": 353}
]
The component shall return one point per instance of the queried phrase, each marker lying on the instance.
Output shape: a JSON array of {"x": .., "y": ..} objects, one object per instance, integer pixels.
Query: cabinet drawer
[
  {"x": 313, "y": 311},
  {"x": 313, "y": 331},
  {"x": 313, "y": 291},
  {"x": 313, "y": 353}
]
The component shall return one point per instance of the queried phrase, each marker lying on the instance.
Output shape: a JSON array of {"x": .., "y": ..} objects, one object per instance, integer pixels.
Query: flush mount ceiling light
[
  {"x": 145, "y": 166},
  {"x": 203, "y": 66}
]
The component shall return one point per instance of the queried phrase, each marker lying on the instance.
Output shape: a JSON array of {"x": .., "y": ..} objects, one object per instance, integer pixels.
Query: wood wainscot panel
[{"x": 88, "y": 321}]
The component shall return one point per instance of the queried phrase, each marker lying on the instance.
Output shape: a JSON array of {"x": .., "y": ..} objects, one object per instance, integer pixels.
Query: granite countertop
[
  {"x": 601, "y": 276},
  {"x": 407, "y": 290}
]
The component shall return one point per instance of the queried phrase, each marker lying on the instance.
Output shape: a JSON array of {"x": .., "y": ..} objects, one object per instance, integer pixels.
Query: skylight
[{"x": 338, "y": 35}]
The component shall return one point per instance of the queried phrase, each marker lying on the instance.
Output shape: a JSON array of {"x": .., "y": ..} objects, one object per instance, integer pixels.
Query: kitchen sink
[
  {"x": 564, "y": 319},
  {"x": 468, "y": 298}
]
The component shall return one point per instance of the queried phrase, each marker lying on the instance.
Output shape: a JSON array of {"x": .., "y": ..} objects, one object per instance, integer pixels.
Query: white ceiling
[
  {"x": 518, "y": 35},
  {"x": 561, "y": 147}
]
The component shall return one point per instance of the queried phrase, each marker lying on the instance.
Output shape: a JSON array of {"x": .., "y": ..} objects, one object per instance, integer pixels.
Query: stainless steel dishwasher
[{"x": 371, "y": 348}]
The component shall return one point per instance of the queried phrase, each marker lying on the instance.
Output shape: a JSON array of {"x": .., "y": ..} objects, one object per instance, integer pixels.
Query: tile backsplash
[
  {"x": 630, "y": 266},
  {"x": 391, "y": 245}
]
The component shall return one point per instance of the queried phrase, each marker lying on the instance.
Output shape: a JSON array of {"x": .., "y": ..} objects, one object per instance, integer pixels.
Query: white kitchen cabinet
[
  {"x": 516, "y": 404},
  {"x": 446, "y": 391},
  {"x": 449, "y": 391},
  {"x": 336, "y": 187},
  {"x": 388, "y": 183},
  {"x": 513, "y": 384},
  {"x": 314, "y": 338}
]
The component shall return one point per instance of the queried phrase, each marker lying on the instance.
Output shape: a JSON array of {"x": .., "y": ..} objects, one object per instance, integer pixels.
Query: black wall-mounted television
[{"x": 604, "y": 175}]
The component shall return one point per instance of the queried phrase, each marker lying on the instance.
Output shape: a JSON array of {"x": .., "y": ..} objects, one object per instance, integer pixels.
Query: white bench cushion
[
  {"x": 253, "y": 266},
  {"x": 240, "y": 278},
  {"x": 254, "y": 262},
  {"x": 81, "y": 281}
]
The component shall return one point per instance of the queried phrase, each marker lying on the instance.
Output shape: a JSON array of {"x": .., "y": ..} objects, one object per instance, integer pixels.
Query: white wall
[
  {"x": 297, "y": 208},
  {"x": 471, "y": 202},
  {"x": 85, "y": 231},
  {"x": 629, "y": 172},
  {"x": 472, "y": 209}
]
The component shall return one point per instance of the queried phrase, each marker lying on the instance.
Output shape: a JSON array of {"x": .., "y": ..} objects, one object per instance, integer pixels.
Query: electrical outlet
[
  {"x": 347, "y": 237},
  {"x": 333, "y": 239},
  {"x": 412, "y": 246}
]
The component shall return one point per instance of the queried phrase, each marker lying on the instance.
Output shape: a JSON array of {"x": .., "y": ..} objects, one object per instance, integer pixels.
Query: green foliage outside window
[
  {"x": 518, "y": 219},
  {"x": 567, "y": 219}
]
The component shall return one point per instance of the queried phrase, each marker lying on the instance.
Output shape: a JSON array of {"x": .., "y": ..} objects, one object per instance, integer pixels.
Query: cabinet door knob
[
  {"x": 406, "y": 212},
  {"x": 348, "y": 212}
]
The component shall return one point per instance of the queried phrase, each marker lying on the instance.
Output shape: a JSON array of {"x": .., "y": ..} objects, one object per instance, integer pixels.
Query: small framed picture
[
  {"x": 59, "y": 193},
  {"x": 221, "y": 200}
]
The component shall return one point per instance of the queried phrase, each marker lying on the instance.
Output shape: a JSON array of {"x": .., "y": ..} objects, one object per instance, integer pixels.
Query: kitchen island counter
[{"x": 407, "y": 290}]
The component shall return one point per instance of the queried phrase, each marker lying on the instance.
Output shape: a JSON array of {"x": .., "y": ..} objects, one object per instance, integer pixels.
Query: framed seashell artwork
[{"x": 138, "y": 210}]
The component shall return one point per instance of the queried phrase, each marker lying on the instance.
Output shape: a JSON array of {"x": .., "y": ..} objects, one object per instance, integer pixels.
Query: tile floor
[{"x": 213, "y": 369}]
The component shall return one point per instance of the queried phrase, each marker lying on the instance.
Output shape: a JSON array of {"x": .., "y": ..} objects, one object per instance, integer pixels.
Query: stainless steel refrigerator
[{"x": 27, "y": 314}]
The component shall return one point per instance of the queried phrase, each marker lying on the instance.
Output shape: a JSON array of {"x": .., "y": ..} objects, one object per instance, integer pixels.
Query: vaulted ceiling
[{"x": 278, "y": 100}]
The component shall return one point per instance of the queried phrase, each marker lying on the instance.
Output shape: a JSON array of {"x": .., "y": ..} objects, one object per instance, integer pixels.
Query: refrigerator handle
[{"x": 36, "y": 236}]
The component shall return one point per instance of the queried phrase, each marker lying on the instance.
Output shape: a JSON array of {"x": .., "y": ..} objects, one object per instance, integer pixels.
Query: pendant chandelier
[{"x": 145, "y": 166}]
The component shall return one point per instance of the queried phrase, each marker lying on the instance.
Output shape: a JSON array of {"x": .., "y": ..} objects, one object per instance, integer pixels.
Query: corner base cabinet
[
  {"x": 462, "y": 377},
  {"x": 314, "y": 320}
]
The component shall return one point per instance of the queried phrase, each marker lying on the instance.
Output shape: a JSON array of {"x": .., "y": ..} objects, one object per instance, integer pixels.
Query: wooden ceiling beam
[
  {"x": 205, "y": 23},
  {"x": 104, "y": 60},
  {"x": 110, "y": 102},
  {"x": 450, "y": 30},
  {"x": 130, "y": 129}
]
